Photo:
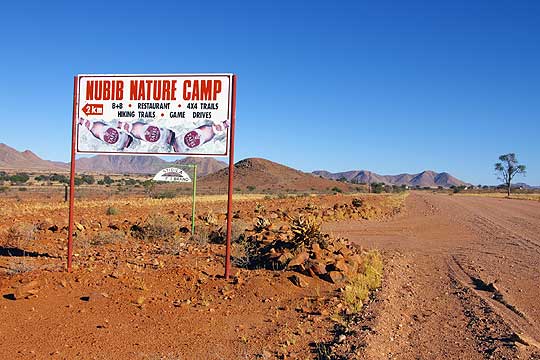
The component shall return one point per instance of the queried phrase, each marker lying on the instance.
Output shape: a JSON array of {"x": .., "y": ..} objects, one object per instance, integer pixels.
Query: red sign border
[{"x": 76, "y": 108}]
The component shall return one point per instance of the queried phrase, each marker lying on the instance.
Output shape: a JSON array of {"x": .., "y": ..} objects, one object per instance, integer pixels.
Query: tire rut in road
[{"x": 500, "y": 329}]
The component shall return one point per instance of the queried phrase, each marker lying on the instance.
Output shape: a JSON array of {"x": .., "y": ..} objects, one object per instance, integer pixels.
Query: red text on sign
[
  {"x": 104, "y": 90},
  {"x": 152, "y": 90},
  {"x": 201, "y": 89}
]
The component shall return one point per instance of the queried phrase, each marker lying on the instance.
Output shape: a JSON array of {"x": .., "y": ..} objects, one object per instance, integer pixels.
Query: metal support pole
[
  {"x": 231, "y": 177},
  {"x": 72, "y": 176}
]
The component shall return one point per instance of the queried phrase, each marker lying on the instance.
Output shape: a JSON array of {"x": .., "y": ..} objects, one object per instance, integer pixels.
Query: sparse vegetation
[
  {"x": 357, "y": 203},
  {"x": 156, "y": 227},
  {"x": 360, "y": 285},
  {"x": 306, "y": 231},
  {"x": 20, "y": 236},
  {"x": 261, "y": 224},
  {"x": 164, "y": 195},
  {"x": 107, "y": 237},
  {"x": 244, "y": 251},
  {"x": 201, "y": 236}
]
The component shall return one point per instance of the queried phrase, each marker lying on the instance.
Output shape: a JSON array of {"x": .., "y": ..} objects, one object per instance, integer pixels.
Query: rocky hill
[{"x": 262, "y": 175}]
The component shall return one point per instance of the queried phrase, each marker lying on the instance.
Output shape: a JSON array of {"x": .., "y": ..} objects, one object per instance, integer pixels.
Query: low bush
[
  {"x": 164, "y": 195},
  {"x": 107, "y": 237},
  {"x": 156, "y": 227},
  {"x": 20, "y": 235}
]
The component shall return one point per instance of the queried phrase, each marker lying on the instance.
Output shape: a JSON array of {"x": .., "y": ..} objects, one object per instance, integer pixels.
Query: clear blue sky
[{"x": 389, "y": 86}]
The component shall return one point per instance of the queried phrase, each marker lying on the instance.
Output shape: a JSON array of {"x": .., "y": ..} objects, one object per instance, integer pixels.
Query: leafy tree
[
  {"x": 377, "y": 188},
  {"x": 42, "y": 178},
  {"x": 19, "y": 178},
  {"x": 130, "y": 181},
  {"x": 89, "y": 179},
  {"x": 507, "y": 169},
  {"x": 60, "y": 178},
  {"x": 149, "y": 186}
]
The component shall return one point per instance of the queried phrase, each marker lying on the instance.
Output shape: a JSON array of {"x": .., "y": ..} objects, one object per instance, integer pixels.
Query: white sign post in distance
[
  {"x": 181, "y": 114},
  {"x": 172, "y": 174}
]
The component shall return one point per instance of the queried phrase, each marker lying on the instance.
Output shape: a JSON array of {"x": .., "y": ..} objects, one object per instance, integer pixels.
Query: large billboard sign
[{"x": 177, "y": 114}]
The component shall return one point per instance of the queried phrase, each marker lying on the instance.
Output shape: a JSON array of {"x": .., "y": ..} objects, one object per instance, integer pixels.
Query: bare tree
[{"x": 507, "y": 169}]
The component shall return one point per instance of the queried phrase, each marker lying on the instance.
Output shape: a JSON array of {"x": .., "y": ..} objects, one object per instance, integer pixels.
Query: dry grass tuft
[
  {"x": 20, "y": 236},
  {"x": 107, "y": 237},
  {"x": 155, "y": 228},
  {"x": 360, "y": 285}
]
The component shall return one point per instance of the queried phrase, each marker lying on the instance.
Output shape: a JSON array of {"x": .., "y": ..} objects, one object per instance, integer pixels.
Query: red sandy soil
[
  {"x": 132, "y": 300},
  {"x": 461, "y": 282}
]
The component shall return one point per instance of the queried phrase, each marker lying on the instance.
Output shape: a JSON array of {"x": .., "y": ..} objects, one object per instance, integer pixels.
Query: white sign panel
[
  {"x": 180, "y": 114},
  {"x": 172, "y": 174}
]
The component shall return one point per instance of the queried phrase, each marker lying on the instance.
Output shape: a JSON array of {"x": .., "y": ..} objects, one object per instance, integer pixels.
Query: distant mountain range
[
  {"x": 249, "y": 172},
  {"x": 525, "y": 186},
  {"x": 11, "y": 159},
  {"x": 426, "y": 178}
]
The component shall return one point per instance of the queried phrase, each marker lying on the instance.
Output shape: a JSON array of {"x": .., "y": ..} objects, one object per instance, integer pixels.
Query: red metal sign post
[
  {"x": 231, "y": 177},
  {"x": 72, "y": 174}
]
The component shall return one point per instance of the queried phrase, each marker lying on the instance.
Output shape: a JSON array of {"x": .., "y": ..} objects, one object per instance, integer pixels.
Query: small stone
[
  {"x": 298, "y": 281},
  {"x": 524, "y": 339},
  {"x": 319, "y": 269},
  {"x": 95, "y": 296},
  {"x": 299, "y": 259},
  {"x": 336, "y": 277},
  {"x": 26, "y": 290},
  {"x": 340, "y": 265}
]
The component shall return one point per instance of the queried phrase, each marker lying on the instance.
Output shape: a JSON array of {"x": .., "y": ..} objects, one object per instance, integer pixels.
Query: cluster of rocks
[{"x": 301, "y": 247}]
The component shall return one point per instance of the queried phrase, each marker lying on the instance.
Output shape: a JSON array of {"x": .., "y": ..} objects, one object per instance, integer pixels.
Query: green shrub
[
  {"x": 112, "y": 211},
  {"x": 19, "y": 178}
]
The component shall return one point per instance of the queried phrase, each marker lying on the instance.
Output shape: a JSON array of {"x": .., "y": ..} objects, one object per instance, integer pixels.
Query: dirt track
[{"x": 462, "y": 279}]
